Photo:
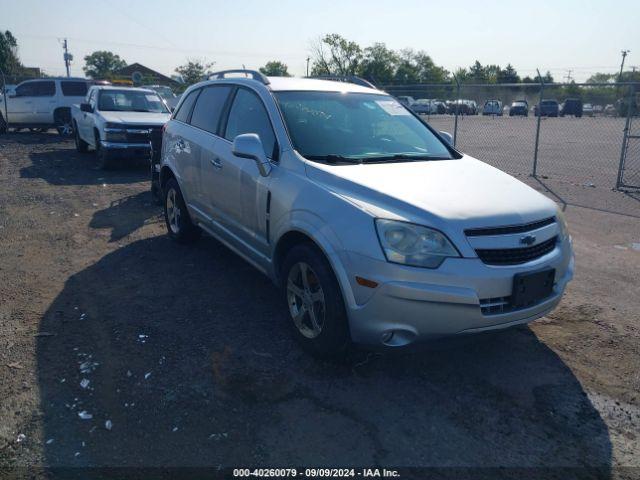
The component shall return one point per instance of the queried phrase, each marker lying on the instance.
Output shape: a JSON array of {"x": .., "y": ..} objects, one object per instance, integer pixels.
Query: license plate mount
[{"x": 532, "y": 287}]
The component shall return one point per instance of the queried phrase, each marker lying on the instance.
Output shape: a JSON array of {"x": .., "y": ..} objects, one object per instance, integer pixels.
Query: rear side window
[
  {"x": 248, "y": 115},
  {"x": 183, "y": 112},
  {"x": 206, "y": 113},
  {"x": 73, "y": 89}
]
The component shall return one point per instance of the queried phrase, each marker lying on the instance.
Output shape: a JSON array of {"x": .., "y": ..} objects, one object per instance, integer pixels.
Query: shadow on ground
[
  {"x": 65, "y": 166},
  {"x": 126, "y": 215},
  {"x": 186, "y": 354}
]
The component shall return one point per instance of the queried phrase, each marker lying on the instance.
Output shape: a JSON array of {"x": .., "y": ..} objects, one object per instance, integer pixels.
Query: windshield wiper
[
  {"x": 401, "y": 157},
  {"x": 333, "y": 158}
]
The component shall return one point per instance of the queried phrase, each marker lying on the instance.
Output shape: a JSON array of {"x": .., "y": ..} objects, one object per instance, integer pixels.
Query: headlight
[
  {"x": 562, "y": 225},
  {"x": 413, "y": 245},
  {"x": 115, "y": 133}
]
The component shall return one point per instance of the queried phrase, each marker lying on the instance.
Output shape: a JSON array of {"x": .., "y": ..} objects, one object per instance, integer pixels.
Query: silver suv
[{"x": 376, "y": 229}]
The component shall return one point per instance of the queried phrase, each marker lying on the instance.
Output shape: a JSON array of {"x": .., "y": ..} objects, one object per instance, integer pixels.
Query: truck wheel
[
  {"x": 179, "y": 225},
  {"x": 62, "y": 120},
  {"x": 81, "y": 145},
  {"x": 315, "y": 303},
  {"x": 104, "y": 160},
  {"x": 3, "y": 125}
]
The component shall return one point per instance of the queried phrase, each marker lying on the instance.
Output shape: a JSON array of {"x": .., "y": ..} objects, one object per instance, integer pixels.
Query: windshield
[
  {"x": 164, "y": 92},
  {"x": 130, "y": 101},
  {"x": 333, "y": 126}
]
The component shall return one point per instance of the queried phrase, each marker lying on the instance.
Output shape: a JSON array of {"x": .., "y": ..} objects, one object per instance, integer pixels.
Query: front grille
[
  {"x": 139, "y": 137},
  {"x": 515, "y": 256},
  {"x": 526, "y": 227}
]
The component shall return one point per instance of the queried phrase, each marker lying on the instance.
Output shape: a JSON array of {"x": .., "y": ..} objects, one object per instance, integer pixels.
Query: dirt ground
[{"x": 119, "y": 347}]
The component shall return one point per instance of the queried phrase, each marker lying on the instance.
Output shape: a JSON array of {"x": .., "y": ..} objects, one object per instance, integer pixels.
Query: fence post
[
  {"x": 4, "y": 99},
  {"x": 455, "y": 124},
  {"x": 539, "y": 110},
  {"x": 625, "y": 137}
]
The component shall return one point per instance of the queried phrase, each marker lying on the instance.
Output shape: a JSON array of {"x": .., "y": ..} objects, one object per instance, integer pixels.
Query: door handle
[{"x": 215, "y": 161}]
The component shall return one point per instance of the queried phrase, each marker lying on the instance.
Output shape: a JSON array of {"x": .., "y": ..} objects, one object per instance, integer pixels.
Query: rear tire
[
  {"x": 63, "y": 122},
  {"x": 314, "y": 302},
  {"x": 176, "y": 216},
  {"x": 81, "y": 145}
]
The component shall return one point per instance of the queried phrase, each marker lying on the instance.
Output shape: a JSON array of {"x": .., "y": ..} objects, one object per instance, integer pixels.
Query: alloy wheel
[
  {"x": 306, "y": 300},
  {"x": 173, "y": 211}
]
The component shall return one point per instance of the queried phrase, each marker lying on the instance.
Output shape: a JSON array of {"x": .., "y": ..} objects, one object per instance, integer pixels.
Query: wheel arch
[{"x": 297, "y": 235}]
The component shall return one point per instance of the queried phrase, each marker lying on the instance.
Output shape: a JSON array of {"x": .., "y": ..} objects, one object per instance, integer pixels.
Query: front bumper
[
  {"x": 412, "y": 304},
  {"x": 126, "y": 149}
]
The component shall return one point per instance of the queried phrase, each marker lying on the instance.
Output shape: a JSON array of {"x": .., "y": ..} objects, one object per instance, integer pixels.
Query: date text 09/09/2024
[{"x": 315, "y": 473}]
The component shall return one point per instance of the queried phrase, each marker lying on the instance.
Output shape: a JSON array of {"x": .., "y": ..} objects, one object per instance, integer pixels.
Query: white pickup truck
[
  {"x": 41, "y": 104},
  {"x": 117, "y": 122}
]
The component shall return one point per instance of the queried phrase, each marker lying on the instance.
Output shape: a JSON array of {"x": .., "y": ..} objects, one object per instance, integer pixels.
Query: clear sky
[{"x": 584, "y": 36}]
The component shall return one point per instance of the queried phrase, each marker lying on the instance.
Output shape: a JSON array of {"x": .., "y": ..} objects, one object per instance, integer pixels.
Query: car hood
[
  {"x": 136, "y": 118},
  {"x": 465, "y": 191}
]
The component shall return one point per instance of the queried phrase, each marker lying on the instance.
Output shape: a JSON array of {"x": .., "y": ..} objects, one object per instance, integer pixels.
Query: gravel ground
[{"x": 179, "y": 356}]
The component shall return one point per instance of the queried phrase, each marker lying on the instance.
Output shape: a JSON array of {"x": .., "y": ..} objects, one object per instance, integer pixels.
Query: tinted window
[
  {"x": 26, "y": 89},
  {"x": 74, "y": 89},
  {"x": 45, "y": 89},
  {"x": 183, "y": 113},
  {"x": 206, "y": 113},
  {"x": 36, "y": 89},
  {"x": 248, "y": 115}
]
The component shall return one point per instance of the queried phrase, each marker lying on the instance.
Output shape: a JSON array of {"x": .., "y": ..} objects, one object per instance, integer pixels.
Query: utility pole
[
  {"x": 624, "y": 55},
  {"x": 568, "y": 76},
  {"x": 67, "y": 57},
  {"x": 308, "y": 58}
]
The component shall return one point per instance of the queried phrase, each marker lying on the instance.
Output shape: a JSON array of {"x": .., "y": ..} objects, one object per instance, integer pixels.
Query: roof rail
[
  {"x": 347, "y": 79},
  {"x": 254, "y": 74}
]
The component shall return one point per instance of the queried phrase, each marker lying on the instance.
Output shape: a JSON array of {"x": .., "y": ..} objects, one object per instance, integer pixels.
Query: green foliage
[
  {"x": 102, "y": 64},
  {"x": 335, "y": 55},
  {"x": 9, "y": 62},
  {"x": 275, "y": 68},
  {"x": 378, "y": 64},
  {"x": 193, "y": 71}
]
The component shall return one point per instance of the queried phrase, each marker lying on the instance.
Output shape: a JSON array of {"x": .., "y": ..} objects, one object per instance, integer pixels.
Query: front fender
[{"x": 318, "y": 230}]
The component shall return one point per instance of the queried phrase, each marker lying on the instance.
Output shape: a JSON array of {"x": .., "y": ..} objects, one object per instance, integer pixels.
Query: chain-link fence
[{"x": 570, "y": 132}]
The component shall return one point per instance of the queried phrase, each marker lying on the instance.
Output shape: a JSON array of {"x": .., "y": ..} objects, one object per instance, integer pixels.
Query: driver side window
[
  {"x": 248, "y": 115},
  {"x": 26, "y": 90}
]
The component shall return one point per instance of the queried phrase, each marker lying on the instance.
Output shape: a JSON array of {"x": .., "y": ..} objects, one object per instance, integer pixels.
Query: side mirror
[
  {"x": 447, "y": 138},
  {"x": 249, "y": 145},
  {"x": 86, "y": 107},
  {"x": 11, "y": 94}
]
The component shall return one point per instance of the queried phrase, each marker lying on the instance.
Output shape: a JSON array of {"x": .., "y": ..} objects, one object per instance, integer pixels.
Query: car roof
[
  {"x": 281, "y": 84},
  {"x": 118, "y": 87},
  {"x": 63, "y": 79}
]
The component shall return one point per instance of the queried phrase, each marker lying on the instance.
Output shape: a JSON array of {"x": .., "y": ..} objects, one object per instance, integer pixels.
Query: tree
[
  {"x": 335, "y": 55},
  {"x": 9, "y": 62},
  {"x": 102, "y": 64},
  {"x": 275, "y": 68},
  {"x": 378, "y": 64},
  {"x": 476, "y": 73},
  {"x": 508, "y": 75},
  {"x": 193, "y": 71},
  {"x": 418, "y": 67}
]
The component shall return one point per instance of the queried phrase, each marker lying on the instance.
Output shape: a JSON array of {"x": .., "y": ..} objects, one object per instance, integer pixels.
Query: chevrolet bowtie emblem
[{"x": 528, "y": 239}]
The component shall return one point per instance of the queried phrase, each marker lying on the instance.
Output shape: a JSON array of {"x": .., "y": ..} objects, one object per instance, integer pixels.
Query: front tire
[
  {"x": 315, "y": 304},
  {"x": 81, "y": 145},
  {"x": 105, "y": 162},
  {"x": 176, "y": 216}
]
